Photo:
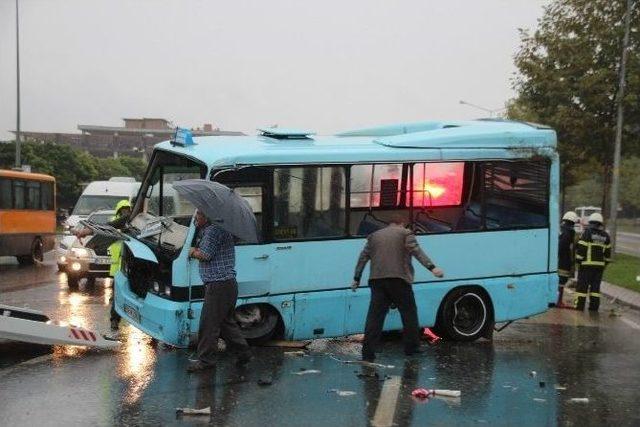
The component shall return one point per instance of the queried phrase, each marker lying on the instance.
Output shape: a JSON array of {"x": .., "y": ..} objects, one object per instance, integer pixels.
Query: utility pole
[
  {"x": 18, "y": 160},
  {"x": 613, "y": 209}
]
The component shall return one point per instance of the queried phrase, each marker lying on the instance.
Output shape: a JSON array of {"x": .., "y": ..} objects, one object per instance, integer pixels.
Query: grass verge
[{"x": 624, "y": 271}]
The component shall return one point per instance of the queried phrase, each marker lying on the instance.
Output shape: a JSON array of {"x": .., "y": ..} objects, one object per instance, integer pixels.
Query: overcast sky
[{"x": 327, "y": 65}]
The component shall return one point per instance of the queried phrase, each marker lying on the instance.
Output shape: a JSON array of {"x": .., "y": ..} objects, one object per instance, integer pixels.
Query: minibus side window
[
  {"x": 309, "y": 202},
  {"x": 376, "y": 193},
  {"x": 6, "y": 198},
  {"x": 18, "y": 194},
  {"x": 46, "y": 196},
  {"x": 516, "y": 194},
  {"x": 33, "y": 195}
]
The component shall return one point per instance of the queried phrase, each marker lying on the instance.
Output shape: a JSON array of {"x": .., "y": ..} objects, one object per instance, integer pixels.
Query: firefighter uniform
[
  {"x": 593, "y": 253},
  {"x": 566, "y": 252}
]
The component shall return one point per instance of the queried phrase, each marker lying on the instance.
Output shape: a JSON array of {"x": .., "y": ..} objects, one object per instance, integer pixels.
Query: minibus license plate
[
  {"x": 103, "y": 260},
  {"x": 132, "y": 312}
]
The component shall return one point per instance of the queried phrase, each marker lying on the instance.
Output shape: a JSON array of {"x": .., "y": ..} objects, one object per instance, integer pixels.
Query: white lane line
[
  {"x": 631, "y": 323},
  {"x": 387, "y": 403}
]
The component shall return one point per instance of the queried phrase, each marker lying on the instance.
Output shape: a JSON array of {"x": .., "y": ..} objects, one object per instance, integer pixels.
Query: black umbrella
[{"x": 222, "y": 205}]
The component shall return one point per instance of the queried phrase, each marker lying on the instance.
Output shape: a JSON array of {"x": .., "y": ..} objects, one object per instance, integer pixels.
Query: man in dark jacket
[
  {"x": 566, "y": 252},
  {"x": 390, "y": 251},
  {"x": 593, "y": 253}
]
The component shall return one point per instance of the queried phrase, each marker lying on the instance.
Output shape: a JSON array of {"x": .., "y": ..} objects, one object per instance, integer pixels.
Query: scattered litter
[
  {"x": 286, "y": 344},
  {"x": 579, "y": 400},
  {"x": 432, "y": 378},
  {"x": 537, "y": 399},
  {"x": 191, "y": 411},
  {"x": 423, "y": 393},
  {"x": 355, "y": 338},
  {"x": 533, "y": 374},
  {"x": 267, "y": 380},
  {"x": 559, "y": 387},
  {"x": 342, "y": 393},
  {"x": 297, "y": 353},
  {"x": 306, "y": 371},
  {"x": 430, "y": 336},
  {"x": 542, "y": 384},
  {"x": 361, "y": 362}
]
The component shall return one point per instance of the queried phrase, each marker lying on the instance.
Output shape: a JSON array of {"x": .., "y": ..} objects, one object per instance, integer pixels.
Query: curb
[{"x": 621, "y": 295}]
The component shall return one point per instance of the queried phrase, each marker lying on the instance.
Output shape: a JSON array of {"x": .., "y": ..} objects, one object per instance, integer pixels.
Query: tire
[
  {"x": 73, "y": 282},
  {"x": 465, "y": 314},
  {"x": 258, "y": 322},
  {"x": 36, "y": 254}
]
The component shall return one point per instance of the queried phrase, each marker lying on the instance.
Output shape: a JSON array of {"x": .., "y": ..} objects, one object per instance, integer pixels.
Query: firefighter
[
  {"x": 118, "y": 221},
  {"x": 593, "y": 253},
  {"x": 566, "y": 252}
]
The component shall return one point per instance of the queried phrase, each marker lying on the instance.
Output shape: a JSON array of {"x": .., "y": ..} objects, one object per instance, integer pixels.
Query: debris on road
[
  {"x": 191, "y": 411},
  {"x": 266, "y": 380},
  {"x": 533, "y": 374},
  {"x": 361, "y": 362},
  {"x": 342, "y": 393},
  {"x": 423, "y": 393},
  {"x": 304, "y": 371},
  {"x": 542, "y": 384},
  {"x": 537, "y": 399},
  {"x": 579, "y": 400},
  {"x": 430, "y": 336},
  {"x": 286, "y": 344},
  {"x": 31, "y": 326},
  {"x": 297, "y": 353},
  {"x": 559, "y": 387}
]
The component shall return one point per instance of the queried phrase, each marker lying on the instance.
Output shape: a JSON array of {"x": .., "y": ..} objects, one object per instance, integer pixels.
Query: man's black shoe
[
  {"x": 200, "y": 366},
  {"x": 415, "y": 351}
]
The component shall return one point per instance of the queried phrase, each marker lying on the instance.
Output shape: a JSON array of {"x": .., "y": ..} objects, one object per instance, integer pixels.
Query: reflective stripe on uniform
[
  {"x": 564, "y": 273},
  {"x": 595, "y": 295},
  {"x": 594, "y": 263}
]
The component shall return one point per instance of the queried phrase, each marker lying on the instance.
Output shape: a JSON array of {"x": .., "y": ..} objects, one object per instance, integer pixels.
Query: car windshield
[{"x": 87, "y": 204}]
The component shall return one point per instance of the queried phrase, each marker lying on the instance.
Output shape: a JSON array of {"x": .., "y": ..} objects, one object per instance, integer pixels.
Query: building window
[{"x": 309, "y": 202}]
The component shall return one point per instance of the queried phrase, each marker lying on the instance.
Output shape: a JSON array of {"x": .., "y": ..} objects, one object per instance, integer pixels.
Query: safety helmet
[
  {"x": 570, "y": 216},
  {"x": 596, "y": 217},
  {"x": 124, "y": 203}
]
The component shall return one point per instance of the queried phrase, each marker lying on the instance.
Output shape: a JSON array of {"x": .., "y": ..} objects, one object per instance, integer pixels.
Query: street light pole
[
  {"x": 491, "y": 112},
  {"x": 18, "y": 160},
  {"x": 615, "y": 179}
]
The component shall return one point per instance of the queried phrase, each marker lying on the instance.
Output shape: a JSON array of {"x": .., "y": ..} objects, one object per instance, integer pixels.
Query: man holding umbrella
[
  {"x": 222, "y": 216},
  {"x": 216, "y": 253}
]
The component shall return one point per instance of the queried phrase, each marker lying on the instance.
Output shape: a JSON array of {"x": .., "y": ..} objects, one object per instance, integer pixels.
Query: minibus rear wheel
[
  {"x": 36, "y": 253},
  {"x": 465, "y": 314},
  {"x": 258, "y": 322}
]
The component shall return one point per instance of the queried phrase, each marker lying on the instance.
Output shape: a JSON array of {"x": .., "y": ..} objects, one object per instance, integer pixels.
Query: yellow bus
[{"x": 27, "y": 215}]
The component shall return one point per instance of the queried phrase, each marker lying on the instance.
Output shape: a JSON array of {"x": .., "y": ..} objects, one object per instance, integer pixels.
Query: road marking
[
  {"x": 631, "y": 323},
  {"x": 387, "y": 403}
]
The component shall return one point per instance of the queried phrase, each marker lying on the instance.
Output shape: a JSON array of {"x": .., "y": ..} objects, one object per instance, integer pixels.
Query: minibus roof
[{"x": 459, "y": 140}]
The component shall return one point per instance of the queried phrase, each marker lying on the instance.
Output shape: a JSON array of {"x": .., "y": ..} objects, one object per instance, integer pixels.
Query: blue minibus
[{"x": 481, "y": 196}]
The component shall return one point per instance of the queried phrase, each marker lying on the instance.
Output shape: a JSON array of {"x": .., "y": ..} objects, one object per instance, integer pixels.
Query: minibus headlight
[
  {"x": 167, "y": 291},
  {"x": 156, "y": 287}
]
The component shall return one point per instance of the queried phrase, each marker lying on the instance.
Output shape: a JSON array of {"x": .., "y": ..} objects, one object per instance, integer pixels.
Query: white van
[{"x": 102, "y": 195}]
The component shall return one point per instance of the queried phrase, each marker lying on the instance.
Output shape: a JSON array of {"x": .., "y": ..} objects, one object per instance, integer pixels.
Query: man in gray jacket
[{"x": 390, "y": 251}]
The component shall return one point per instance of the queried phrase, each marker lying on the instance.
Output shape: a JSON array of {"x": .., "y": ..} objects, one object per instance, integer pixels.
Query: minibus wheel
[
  {"x": 36, "y": 254},
  {"x": 258, "y": 322},
  {"x": 465, "y": 314}
]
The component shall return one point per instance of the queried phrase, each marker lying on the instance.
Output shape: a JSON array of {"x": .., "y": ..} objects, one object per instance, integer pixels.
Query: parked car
[
  {"x": 85, "y": 258},
  {"x": 583, "y": 213}
]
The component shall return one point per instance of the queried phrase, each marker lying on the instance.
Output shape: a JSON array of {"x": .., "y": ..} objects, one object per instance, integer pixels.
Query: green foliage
[
  {"x": 70, "y": 167},
  {"x": 568, "y": 79},
  {"x": 623, "y": 271}
]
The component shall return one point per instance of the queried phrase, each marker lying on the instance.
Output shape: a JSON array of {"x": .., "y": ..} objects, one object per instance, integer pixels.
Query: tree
[
  {"x": 568, "y": 79},
  {"x": 71, "y": 167}
]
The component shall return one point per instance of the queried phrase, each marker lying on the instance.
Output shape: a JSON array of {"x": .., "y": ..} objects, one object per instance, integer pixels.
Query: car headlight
[{"x": 80, "y": 252}]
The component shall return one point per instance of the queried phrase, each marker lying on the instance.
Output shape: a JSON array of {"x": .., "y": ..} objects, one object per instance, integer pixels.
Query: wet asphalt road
[{"x": 573, "y": 355}]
